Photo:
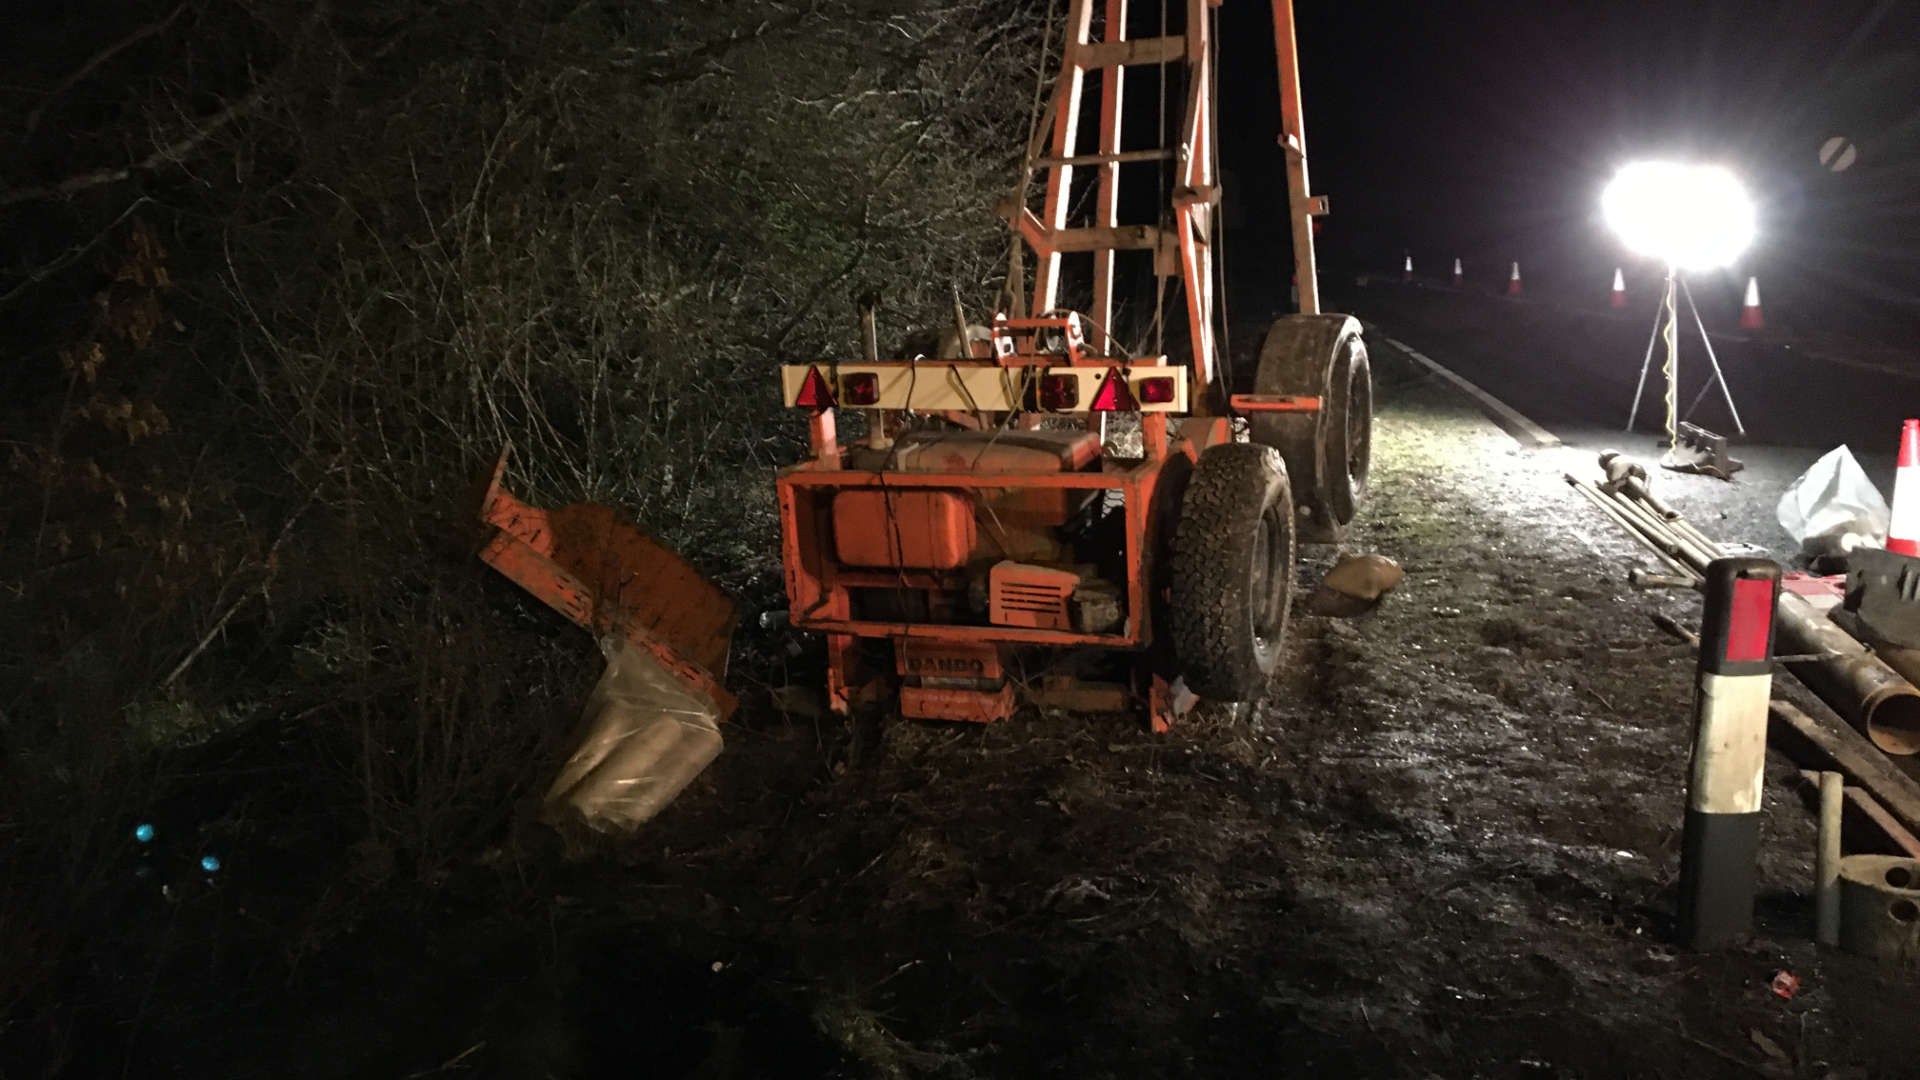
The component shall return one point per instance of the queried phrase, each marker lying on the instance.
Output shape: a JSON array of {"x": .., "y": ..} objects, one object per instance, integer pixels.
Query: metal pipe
[
  {"x": 1640, "y": 579},
  {"x": 1738, "y": 427},
  {"x": 1906, "y": 664},
  {"x": 1636, "y": 487},
  {"x": 1854, "y": 682},
  {"x": 1707, "y": 546},
  {"x": 1655, "y": 526},
  {"x": 1697, "y": 554},
  {"x": 1826, "y": 872},
  {"x": 1688, "y": 529},
  {"x": 1864, "y": 688},
  {"x": 1713, "y": 547},
  {"x": 1606, "y": 507}
]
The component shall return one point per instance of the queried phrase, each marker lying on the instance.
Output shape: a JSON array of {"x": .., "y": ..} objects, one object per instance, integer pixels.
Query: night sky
[{"x": 1486, "y": 130}]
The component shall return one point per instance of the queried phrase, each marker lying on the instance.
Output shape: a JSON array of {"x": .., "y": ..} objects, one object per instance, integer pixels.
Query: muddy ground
[{"x": 1444, "y": 845}]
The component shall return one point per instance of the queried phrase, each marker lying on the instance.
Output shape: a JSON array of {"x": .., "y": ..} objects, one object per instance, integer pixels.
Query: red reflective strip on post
[{"x": 1751, "y": 620}]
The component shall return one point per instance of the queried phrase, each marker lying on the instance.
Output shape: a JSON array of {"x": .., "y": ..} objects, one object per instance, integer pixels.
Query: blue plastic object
[
  {"x": 143, "y": 832},
  {"x": 209, "y": 863}
]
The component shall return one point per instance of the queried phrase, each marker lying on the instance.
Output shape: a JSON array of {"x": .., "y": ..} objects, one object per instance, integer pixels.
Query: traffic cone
[
  {"x": 1750, "y": 317},
  {"x": 1406, "y": 272},
  {"x": 1619, "y": 288},
  {"x": 1458, "y": 278},
  {"x": 1903, "y": 523},
  {"x": 1513, "y": 281}
]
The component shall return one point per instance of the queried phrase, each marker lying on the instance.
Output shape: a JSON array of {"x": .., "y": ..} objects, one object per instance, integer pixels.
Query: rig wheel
[
  {"x": 1327, "y": 452},
  {"x": 1232, "y": 571}
]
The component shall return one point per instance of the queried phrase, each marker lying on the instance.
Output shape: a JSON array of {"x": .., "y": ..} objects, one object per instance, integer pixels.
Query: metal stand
[
  {"x": 1659, "y": 320},
  {"x": 1738, "y": 427},
  {"x": 1668, "y": 317}
]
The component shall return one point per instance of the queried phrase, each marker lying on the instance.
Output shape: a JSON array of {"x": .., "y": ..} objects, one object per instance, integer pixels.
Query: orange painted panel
[{"x": 927, "y": 530}]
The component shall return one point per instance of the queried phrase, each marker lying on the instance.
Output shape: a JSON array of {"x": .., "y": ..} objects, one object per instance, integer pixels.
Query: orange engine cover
[
  {"x": 1037, "y": 596},
  {"x": 917, "y": 528}
]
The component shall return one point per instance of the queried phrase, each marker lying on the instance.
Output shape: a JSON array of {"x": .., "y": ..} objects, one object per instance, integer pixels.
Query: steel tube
[
  {"x": 1906, "y": 664},
  {"x": 1698, "y": 555},
  {"x": 1854, "y": 682},
  {"x": 1826, "y": 873},
  {"x": 1713, "y": 546},
  {"x": 1654, "y": 525},
  {"x": 1685, "y": 528},
  {"x": 1652, "y": 544}
]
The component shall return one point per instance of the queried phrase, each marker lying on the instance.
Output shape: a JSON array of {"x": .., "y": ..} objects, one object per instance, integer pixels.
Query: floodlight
[{"x": 1693, "y": 217}]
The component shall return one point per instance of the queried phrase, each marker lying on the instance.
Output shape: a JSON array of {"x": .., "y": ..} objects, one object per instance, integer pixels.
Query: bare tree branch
[
  {"x": 99, "y": 58},
  {"x": 172, "y": 152},
  {"x": 165, "y": 154},
  {"x": 72, "y": 254}
]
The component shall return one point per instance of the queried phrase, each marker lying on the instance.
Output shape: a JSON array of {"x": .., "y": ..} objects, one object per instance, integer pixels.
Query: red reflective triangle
[
  {"x": 814, "y": 391},
  {"x": 1114, "y": 395}
]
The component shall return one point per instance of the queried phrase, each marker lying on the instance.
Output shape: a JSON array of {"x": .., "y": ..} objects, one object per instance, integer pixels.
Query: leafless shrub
[{"x": 336, "y": 257}]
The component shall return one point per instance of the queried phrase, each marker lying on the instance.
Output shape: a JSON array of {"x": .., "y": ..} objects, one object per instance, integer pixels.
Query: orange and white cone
[
  {"x": 1406, "y": 271},
  {"x": 1903, "y": 524},
  {"x": 1750, "y": 316},
  {"x": 1459, "y": 279},
  {"x": 1619, "y": 288},
  {"x": 1513, "y": 281}
]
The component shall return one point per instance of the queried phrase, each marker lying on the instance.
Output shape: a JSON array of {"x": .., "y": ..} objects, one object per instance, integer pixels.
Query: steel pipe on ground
[
  {"x": 1654, "y": 525},
  {"x": 1650, "y": 535},
  {"x": 1865, "y": 689},
  {"x": 1857, "y": 684},
  {"x": 1667, "y": 551}
]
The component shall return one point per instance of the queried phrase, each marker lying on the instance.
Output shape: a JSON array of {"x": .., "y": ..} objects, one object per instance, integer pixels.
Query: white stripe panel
[
  {"x": 1730, "y": 745},
  {"x": 1906, "y": 504}
]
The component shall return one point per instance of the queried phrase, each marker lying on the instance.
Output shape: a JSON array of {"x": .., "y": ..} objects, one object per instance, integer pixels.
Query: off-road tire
[
  {"x": 1349, "y": 432},
  {"x": 1231, "y": 578},
  {"x": 1319, "y": 356}
]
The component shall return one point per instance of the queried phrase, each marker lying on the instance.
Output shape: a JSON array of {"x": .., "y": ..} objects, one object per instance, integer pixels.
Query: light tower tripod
[{"x": 1667, "y": 319}]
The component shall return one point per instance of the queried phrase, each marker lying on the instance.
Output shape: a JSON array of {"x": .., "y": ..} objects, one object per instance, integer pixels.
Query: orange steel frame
[
  {"x": 600, "y": 571},
  {"x": 818, "y": 588}
]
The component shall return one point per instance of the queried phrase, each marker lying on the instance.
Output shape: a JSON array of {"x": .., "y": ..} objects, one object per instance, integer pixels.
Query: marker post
[{"x": 1721, "y": 839}]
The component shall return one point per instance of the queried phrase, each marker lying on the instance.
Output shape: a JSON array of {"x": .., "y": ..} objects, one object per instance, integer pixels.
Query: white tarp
[
  {"x": 644, "y": 736},
  {"x": 1833, "y": 508}
]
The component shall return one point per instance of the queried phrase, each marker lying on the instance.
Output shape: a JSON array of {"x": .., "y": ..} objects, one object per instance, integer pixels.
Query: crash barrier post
[{"x": 1721, "y": 838}]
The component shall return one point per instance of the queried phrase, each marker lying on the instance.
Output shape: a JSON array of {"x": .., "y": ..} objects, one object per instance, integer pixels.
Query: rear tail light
[
  {"x": 1157, "y": 390},
  {"x": 1114, "y": 395},
  {"x": 814, "y": 391},
  {"x": 860, "y": 388},
  {"x": 1059, "y": 393}
]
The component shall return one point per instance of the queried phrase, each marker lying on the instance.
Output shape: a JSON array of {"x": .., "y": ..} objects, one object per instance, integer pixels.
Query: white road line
[{"x": 1520, "y": 427}]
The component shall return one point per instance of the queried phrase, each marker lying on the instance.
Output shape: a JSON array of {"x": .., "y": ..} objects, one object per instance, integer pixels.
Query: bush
[{"x": 359, "y": 249}]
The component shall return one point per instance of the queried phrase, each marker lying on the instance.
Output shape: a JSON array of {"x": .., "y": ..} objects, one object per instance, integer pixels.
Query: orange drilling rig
[{"x": 984, "y": 521}]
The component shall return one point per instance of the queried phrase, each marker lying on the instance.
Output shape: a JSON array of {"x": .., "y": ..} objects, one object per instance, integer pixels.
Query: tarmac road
[{"x": 1573, "y": 371}]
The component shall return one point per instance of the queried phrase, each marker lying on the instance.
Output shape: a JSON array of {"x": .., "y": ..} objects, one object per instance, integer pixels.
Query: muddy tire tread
[{"x": 1211, "y": 611}]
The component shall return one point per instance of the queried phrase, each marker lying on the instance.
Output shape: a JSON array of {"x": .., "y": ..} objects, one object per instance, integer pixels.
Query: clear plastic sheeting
[
  {"x": 1833, "y": 508},
  {"x": 644, "y": 736}
]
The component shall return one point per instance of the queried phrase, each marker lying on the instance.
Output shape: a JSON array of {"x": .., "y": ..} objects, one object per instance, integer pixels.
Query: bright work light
[{"x": 1694, "y": 217}]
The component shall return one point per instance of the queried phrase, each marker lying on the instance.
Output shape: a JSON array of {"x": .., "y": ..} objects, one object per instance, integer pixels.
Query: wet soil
[{"x": 1445, "y": 844}]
